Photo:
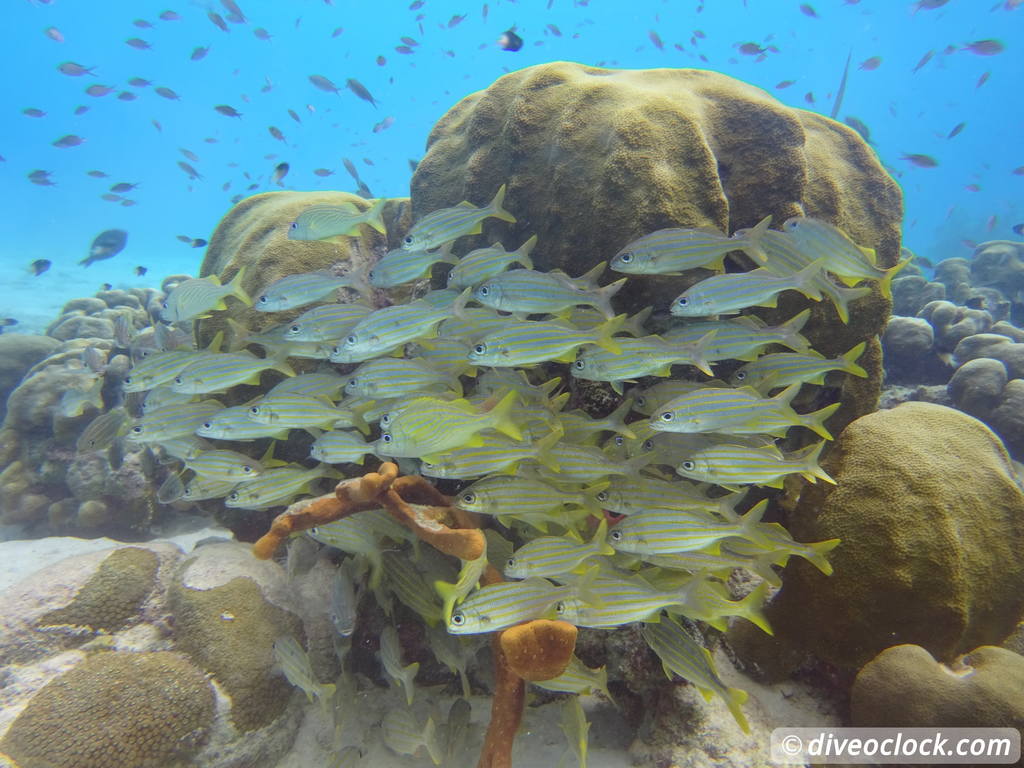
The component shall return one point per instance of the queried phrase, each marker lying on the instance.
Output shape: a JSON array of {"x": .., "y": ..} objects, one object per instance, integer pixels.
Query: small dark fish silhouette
[
  {"x": 323, "y": 172},
  {"x": 384, "y": 124},
  {"x": 921, "y": 161},
  {"x": 169, "y": 16},
  {"x": 275, "y": 132},
  {"x": 138, "y": 43},
  {"x": 928, "y": 5},
  {"x": 54, "y": 34},
  {"x": 189, "y": 154},
  {"x": 74, "y": 70},
  {"x": 140, "y": 271},
  {"x": 381, "y": 61},
  {"x": 167, "y": 93},
  {"x": 510, "y": 41},
  {"x": 199, "y": 53},
  {"x": 33, "y": 112},
  {"x": 110, "y": 197},
  {"x": 81, "y": 109},
  {"x": 956, "y": 130},
  {"x": 982, "y": 80},
  {"x": 192, "y": 173},
  {"x": 859, "y": 126},
  {"x": 218, "y": 20},
  {"x": 924, "y": 60},
  {"x": 227, "y": 111},
  {"x": 39, "y": 266},
  {"x": 106, "y": 245},
  {"x": 360, "y": 90},
  {"x": 985, "y": 47},
  {"x": 294, "y": 116},
  {"x": 656, "y": 39},
  {"x": 7, "y": 322},
  {"x": 138, "y": 82},
  {"x": 807, "y": 10},
  {"x": 123, "y": 186},
  {"x": 280, "y": 171},
  {"x": 751, "y": 49},
  {"x": 869, "y": 64},
  {"x": 198, "y": 242},
  {"x": 142, "y": 24},
  {"x": 1018, "y": 229},
  {"x": 126, "y": 96},
  {"x": 784, "y": 84},
  {"x": 97, "y": 174},
  {"x": 324, "y": 84},
  {"x": 337, "y": 31},
  {"x": 455, "y": 20},
  {"x": 351, "y": 168},
  {"x": 99, "y": 90},
  {"x": 410, "y": 41},
  {"x": 554, "y": 30},
  {"x": 232, "y": 8},
  {"x": 69, "y": 140},
  {"x": 261, "y": 33},
  {"x": 403, "y": 49}
]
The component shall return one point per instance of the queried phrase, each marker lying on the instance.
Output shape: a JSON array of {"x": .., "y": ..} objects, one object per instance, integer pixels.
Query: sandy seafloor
[{"x": 716, "y": 743}]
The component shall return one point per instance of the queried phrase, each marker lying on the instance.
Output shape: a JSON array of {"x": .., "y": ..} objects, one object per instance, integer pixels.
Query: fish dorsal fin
[
  {"x": 750, "y": 321},
  {"x": 216, "y": 342},
  {"x": 465, "y": 204}
]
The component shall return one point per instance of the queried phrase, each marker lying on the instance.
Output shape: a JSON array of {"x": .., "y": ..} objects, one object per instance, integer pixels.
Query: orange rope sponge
[{"x": 540, "y": 649}]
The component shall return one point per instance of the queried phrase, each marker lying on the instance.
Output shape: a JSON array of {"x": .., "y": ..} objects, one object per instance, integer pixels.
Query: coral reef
[
  {"x": 594, "y": 158},
  {"x": 905, "y": 686},
  {"x": 931, "y": 515},
  {"x": 18, "y": 353},
  {"x": 127, "y": 710}
]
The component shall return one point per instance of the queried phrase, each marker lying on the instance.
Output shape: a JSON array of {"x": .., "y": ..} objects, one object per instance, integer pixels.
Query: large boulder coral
[
  {"x": 931, "y": 518},
  {"x": 593, "y": 158},
  {"x": 905, "y": 686},
  {"x": 254, "y": 235}
]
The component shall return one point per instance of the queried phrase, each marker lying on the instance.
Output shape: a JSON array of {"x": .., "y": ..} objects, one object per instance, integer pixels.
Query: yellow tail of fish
[
  {"x": 816, "y": 554},
  {"x": 812, "y": 470},
  {"x": 816, "y": 421},
  {"x": 237, "y": 290},
  {"x": 850, "y": 360},
  {"x": 606, "y": 331},
  {"x": 374, "y": 216},
  {"x": 751, "y": 608},
  {"x": 497, "y": 209},
  {"x": 751, "y": 240},
  {"x": 885, "y": 284},
  {"x": 523, "y": 252},
  {"x": 501, "y": 416}
]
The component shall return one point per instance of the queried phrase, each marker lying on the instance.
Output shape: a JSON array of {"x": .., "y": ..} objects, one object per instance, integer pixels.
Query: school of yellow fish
[{"x": 600, "y": 522}]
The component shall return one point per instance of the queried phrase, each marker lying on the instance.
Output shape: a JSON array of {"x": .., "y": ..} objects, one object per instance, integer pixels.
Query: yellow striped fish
[
  {"x": 327, "y": 322},
  {"x": 294, "y": 662},
  {"x": 411, "y": 588},
  {"x": 196, "y": 297},
  {"x": 323, "y": 220},
  {"x": 776, "y": 542},
  {"x": 391, "y": 660},
  {"x": 202, "y": 488},
  {"x": 385, "y": 330},
  {"x": 234, "y": 424},
  {"x": 632, "y": 493},
  {"x": 732, "y": 466},
  {"x": 403, "y": 266},
  {"x": 324, "y": 384},
  {"x": 555, "y": 555},
  {"x": 298, "y": 411},
  {"x": 681, "y": 655},
  {"x": 429, "y": 427},
  {"x": 529, "y": 342},
  {"x": 578, "y": 678},
  {"x": 448, "y": 224},
  {"x": 161, "y": 368},
  {"x": 665, "y": 531},
  {"x": 722, "y": 565},
  {"x": 276, "y": 486},
  {"x": 742, "y": 338},
  {"x": 102, "y": 431},
  {"x": 505, "y": 494},
  {"x": 501, "y": 605},
  {"x": 738, "y": 411},
  {"x": 222, "y": 464},
  {"x": 355, "y": 536},
  {"x": 675, "y": 250},
  {"x": 404, "y": 736},
  {"x": 391, "y": 377},
  {"x": 646, "y": 400},
  {"x": 647, "y": 356},
  {"x": 709, "y": 601},
  {"x": 613, "y": 598},
  {"x": 781, "y": 369},
  {"x": 454, "y": 593},
  {"x": 528, "y": 292},
  {"x": 292, "y": 291},
  {"x": 483, "y": 263},
  {"x": 340, "y": 446},
  {"x": 736, "y": 291},
  {"x": 174, "y": 420},
  {"x": 495, "y": 454},
  {"x": 218, "y": 373}
]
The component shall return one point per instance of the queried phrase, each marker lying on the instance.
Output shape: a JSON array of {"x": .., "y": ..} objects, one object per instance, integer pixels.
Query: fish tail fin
[
  {"x": 699, "y": 355},
  {"x": 523, "y": 252},
  {"x": 751, "y": 608},
  {"x": 816, "y": 552},
  {"x": 446, "y": 591},
  {"x": 603, "y": 297},
  {"x": 816, "y": 421},
  {"x": 497, "y": 209},
  {"x": 842, "y": 296},
  {"x": 634, "y": 326},
  {"x": 785, "y": 397},
  {"x": 791, "y": 336},
  {"x": 616, "y": 420},
  {"x": 375, "y": 216},
  {"x": 762, "y": 566},
  {"x": 850, "y": 360},
  {"x": 885, "y": 284},
  {"x": 727, "y": 506},
  {"x": 430, "y": 741},
  {"x": 752, "y": 519},
  {"x": 734, "y": 700},
  {"x": 804, "y": 279},
  {"x": 811, "y": 469},
  {"x": 325, "y": 695},
  {"x": 544, "y": 446},
  {"x": 358, "y": 420},
  {"x": 589, "y": 279},
  {"x": 606, "y": 331},
  {"x": 501, "y": 416},
  {"x": 237, "y": 290},
  {"x": 600, "y": 539},
  {"x": 753, "y": 246},
  {"x": 280, "y": 364}
]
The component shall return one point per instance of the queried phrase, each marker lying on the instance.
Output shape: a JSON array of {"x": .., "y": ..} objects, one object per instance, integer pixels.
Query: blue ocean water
[{"x": 971, "y": 195}]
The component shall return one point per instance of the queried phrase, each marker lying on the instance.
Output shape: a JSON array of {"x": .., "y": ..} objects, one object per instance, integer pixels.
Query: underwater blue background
[{"x": 906, "y": 112}]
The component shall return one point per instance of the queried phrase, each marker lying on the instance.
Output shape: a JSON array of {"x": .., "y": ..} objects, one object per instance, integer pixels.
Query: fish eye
[
  {"x": 602, "y": 496},
  {"x": 457, "y": 619},
  {"x": 385, "y": 419},
  {"x": 352, "y": 382},
  {"x": 510, "y": 563},
  {"x": 579, "y": 365},
  {"x": 620, "y": 440},
  {"x": 741, "y": 375},
  {"x": 408, "y": 240},
  {"x": 263, "y": 299},
  {"x": 682, "y": 301},
  {"x": 234, "y": 496},
  {"x": 386, "y": 437},
  {"x": 615, "y": 535},
  {"x": 468, "y": 498},
  {"x": 352, "y": 339},
  {"x": 480, "y": 349},
  {"x": 207, "y": 425},
  {"x": 255, "y": 410},
  {"x": 371, "y": 274},
  {"x": 137, "y": 430},
  {"x": 688, "y": 466},
  {"x": 667, "y": 416},
  {"x": 484, "y": 290},
  {"x": 294, "y": 225},
  {"x": 648, "y": 444},
  {"x": 127, "y": 379},
  {"x": 561, "y": 607},
  {"x": 246, "y": 469},
  {"x": 626, "y": 257},
  {"x": 641, "y": 401},
  {"x": 177, "y": 380},
  {"x": 295, "y": 328}
]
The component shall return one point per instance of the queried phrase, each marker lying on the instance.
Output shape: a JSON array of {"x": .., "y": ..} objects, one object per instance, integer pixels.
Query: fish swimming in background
[
  {"x": 324, "y": 84},
  {"x": 319, "y": 222},
  {"x": 871, "y": 64},
  {"x": 859, "y": 126},
  {"x": 195, "y": 297},
  {"x": 510, "y": 41},
  {"x": 54, "y": 34},
  {"x": 140, "y": 271},
  {"x": 107, "y": 244},
  {"x": 33, "y": 112},
  {"x": 217, "y": 20},
  {"x": 138, "y": 43},
  {"x": 227, "y": 111},
  {"x": 985, "y": 47},
  {"x": 672, "y": 251},
  {"x": 956, "y": 130},
  {"x": 924, "y": 60},
  {"x": 921, "y": 161},
  {"x": 842, "y": 87},
  {"x": 360, "y": 90},
  {"x": 280, "y": 171},
  {"x": 39, "y": 266},
  {"x": 73, "y": 69},
  {"x": 70, "y": 140},
  {"x": 167, "y": 93},
  {"x": 448, "y": 224}
]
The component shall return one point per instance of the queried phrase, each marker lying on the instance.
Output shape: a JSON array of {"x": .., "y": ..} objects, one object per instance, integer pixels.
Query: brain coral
[
  {"x": 254, "y": 234},
  {"x": 594, "y": 158},
  {"x": 115, "y": 710},
  {"x": 932, "y": 525}
]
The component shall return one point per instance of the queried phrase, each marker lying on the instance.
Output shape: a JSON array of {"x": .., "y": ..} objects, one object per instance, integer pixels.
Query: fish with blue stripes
[
  {"x": 781, "y": 369},
  {"x": 197, "y": 297},
  {"x": 218, "y": 373},
  {"x": 298, "y": 411},
  {"x": 402, "y": 266},
  {"x": 298, "y": 290},
  {"x": 323, "y": 220},
  {"x": 326, "y": 322},
  {"x": 385, "y": 330},
  {"x": 498, "y": 606},
  {"x": 743, "y": 337},
  {"x": 528, "y": 292},
  {"x": 483, "y": 263},
  {"x": 528, "y": 342},
  {"x": 666, "y": 531},
  {"x": 555, "y": 555},
  {"x": 449, "y": 224},
  {"x": 733, "y": 466},
  {"x": 735, "y": 291},
  {"x": 222, "y": 464},
  {"x": 392, "y": 377},
  {"x": 647, "y": 356},
  {"x": 673, "y": 251}
]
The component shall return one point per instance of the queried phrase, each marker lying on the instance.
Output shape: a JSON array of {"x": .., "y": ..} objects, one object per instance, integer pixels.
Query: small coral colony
[{"x": 598, "y": 522}]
